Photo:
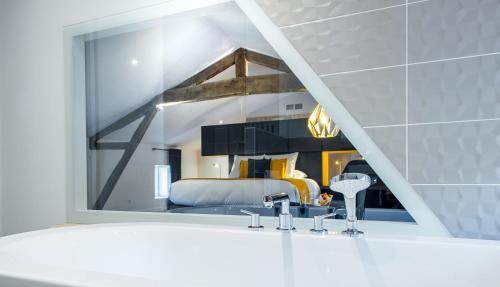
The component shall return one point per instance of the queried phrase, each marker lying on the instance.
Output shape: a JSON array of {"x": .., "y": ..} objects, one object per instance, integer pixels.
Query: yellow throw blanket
[
  {"x": 302, "y": 188},
  {"x": 300, "y": 185}
]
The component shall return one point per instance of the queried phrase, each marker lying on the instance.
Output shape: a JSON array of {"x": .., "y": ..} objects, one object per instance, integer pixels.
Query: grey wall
[{"x": 422, "y": 77}]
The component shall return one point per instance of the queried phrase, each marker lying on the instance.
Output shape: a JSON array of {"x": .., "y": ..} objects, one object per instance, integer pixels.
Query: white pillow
[
  {"x": 299, "y": 174},
  {"x": 235, "y": 170},
  {"x": 290, "y": 163}
]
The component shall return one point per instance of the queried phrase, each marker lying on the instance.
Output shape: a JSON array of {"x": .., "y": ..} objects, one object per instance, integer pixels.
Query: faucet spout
[{"x": 285, "y": 218}]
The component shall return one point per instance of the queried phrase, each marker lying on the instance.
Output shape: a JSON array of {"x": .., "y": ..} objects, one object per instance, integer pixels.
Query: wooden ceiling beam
[
  {"x": 267, "y": 61},
  {"x": 240, "y": 63},
  {"x": 242, "y": 86},
  {"x": 124, "y": 121}
]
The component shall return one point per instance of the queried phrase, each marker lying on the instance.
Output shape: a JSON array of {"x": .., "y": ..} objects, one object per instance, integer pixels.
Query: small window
[
  {"x": 289, "y": 107},
  {"x": 298, "y": 106},
  {"x": 162, "y": 181}
]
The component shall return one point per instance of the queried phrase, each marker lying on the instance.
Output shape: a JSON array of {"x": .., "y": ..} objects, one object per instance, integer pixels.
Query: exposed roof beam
[
  {"x": 242, "y": 86},
  {"x": 124, "y": 121},
  {"x": 240, "y": 63},
  {"x": 267, "y": 61}
]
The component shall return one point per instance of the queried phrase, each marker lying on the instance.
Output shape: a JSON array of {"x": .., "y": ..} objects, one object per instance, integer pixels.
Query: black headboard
[
  {"x": 308, "y": 162},
  {"x": 272, "y": 137}
]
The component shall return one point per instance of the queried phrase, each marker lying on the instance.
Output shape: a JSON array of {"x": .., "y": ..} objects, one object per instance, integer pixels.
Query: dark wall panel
[{"x": 266, "y": 137}]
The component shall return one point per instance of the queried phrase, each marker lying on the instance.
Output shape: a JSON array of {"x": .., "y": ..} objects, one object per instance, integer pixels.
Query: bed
[{"x": 242, "y": 191}]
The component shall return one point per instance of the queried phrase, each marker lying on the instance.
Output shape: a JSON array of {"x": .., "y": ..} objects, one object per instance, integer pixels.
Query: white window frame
[{"x": 76, "y": 185}]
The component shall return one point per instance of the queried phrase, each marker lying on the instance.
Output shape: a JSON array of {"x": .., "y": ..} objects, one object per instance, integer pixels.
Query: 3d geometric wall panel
[
  {"x": 444, "y": 122},
  {"x": 374, "y": 98},
  {"x": 352, "y": 43},
  {"x": 455, "y": 153},
  {"x": 467, "y": 211},
  {"x": 288, "y": 12},
  {"x": 444, "y": 29},
  {"x": 463, "y": 89}
]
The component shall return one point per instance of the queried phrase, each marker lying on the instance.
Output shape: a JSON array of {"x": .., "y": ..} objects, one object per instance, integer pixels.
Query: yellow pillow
[
  {"x": 244, "y": 169},
  {"x": 278, "y": 168}
]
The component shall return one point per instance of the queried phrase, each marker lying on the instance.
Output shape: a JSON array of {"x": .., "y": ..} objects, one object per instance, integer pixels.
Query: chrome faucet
[
  {"x": 349, "y": 184},
  {"x": 255, "y": 220},
  {"x": 318, "y": 221},
  {"x": 285, "y": 218}
]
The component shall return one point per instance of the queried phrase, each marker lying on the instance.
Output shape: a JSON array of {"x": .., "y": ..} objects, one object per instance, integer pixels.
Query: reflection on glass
[{"x": 202, "y": 99}]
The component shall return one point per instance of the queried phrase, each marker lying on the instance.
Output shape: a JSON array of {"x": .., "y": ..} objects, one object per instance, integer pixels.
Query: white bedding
[{"x": 196, "y": 192}]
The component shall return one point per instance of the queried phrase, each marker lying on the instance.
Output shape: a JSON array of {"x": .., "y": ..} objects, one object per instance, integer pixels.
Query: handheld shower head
[{"x": 350, "y": 183}]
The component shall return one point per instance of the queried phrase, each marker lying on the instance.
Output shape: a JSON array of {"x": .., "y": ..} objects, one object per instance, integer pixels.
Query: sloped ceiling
[{"x": 127, "y": 67}]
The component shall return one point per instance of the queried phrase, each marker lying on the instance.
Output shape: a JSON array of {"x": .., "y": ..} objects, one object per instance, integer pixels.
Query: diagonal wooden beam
[
  {"x": 124, "y": 121},
  {"x": 267, "y": 61},
  {"x": 127, "y": 155}
]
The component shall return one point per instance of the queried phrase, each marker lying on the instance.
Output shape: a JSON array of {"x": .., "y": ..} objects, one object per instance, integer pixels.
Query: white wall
[
  {"x": 2, "y": 25},
  {"x": 33, "y": 106}
]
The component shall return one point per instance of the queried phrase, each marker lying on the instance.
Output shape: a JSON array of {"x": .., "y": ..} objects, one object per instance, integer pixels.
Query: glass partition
[{"x": 196, "y": 113}]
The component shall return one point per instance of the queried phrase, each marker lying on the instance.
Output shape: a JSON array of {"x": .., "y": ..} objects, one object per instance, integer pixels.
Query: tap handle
[
  {"x": 255, "y": 219},
  {"x": 318, "y": 222},
  {"x": 247, "y": 212},
  {"x": 325, "y": 215}
]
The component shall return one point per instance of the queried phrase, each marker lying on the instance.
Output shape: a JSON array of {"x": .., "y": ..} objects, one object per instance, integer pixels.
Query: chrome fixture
[
  {"x": 318, "y": 221},
  {"x": 285, "y": 218},
  {"x": 255, "y": 220},
  {"x": 349, "y": 184}
]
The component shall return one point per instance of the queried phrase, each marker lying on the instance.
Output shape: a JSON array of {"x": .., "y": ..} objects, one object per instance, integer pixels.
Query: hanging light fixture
[{"x": 321, "y": 125}]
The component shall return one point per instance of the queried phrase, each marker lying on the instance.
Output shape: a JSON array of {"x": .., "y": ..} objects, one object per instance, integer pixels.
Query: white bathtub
[{"x": 154, "y": 254}]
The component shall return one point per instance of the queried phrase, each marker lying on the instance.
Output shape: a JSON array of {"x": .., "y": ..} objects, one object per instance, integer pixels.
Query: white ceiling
[{"x": 168, "y": 51}]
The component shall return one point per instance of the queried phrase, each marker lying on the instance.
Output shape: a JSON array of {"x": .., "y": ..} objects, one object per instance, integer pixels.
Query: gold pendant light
[{"x": 321, "y": 125}]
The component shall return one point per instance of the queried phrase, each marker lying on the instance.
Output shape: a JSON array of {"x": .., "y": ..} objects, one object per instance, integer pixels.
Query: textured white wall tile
[
  {"x": 467, "y": 89},
  {"x": 287, "y": 12},
  {"x": 356, "y": 42},
  {"x": 440, "y": 29},
  {"x": 455, "y": 153},
  {"x": 392, "y": 142},
  {"x": 374, "y": 98},
  {"x": 467, "y": 211}
]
